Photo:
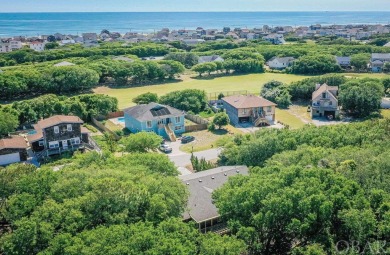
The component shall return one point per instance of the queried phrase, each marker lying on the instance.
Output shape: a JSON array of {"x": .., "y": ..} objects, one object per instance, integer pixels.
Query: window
[
  {"x": 160, "y": 122},
  {"x": 69, "y": 127},
  {"x": 177, "y": 119},
  {"x": 75, "y": 140},
  {"x": 178, "y": 128},
  {"x": 40, "y": 143},
  {"x": 56, "y": 130},
  {"x": 53, "y": 145},
  {"x": 244, "y": 111},
  {"x": 149, "y": 124},
  {"x": 330, "y": 102},
  {"x": 269, "y": 109},
  {"x": 323, "y": 95}
]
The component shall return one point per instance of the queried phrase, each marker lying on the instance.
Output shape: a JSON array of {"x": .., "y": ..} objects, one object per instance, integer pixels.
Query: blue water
[
  {"x": 32, "y": 132},
  {"x": 33, "y": 24},
  {"x": 121, "y": 119}
]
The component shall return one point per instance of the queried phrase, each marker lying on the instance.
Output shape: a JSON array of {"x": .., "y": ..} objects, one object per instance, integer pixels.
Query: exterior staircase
[
  {"x": 170, "y": 133},
  {"x": 259, "y": 119}
]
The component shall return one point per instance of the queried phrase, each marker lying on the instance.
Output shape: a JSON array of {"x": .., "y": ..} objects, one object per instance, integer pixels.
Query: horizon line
[{"x": 13, "y": 12}]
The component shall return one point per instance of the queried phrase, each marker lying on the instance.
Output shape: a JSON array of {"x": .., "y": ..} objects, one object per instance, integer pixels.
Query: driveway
[{"x": 182, "y": 159}]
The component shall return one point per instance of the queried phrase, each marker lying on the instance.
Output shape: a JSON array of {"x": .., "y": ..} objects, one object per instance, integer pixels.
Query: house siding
[{"x": 22, "y": 153}]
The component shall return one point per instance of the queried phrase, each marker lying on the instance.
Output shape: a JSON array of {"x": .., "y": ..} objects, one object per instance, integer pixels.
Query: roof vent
[
  {"x": 237, "y": 171},
  {"x": 213, "y": 177},
  {"x": 188, "y": 183},
  {"x": 225, "y": 174},
  {"x": 200, "y": 180}
]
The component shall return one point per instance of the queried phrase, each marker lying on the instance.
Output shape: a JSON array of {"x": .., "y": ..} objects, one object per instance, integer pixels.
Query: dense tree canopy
[
  {"x": 142, "y": 142},
  {"x": 276, "y": 92},
  {"x": 193, "y": 100},
  {"x": 146, "y": 98},
  {"x": 361, "y": 97},
  {"x": 315, "y": 64},
  {"x": 8, "y": 122}
]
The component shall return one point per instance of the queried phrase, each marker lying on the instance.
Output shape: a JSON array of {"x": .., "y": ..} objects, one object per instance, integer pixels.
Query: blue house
[{"x": 164, "y": 120}]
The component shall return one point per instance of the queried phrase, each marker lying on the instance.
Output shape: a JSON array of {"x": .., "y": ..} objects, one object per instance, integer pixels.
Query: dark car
[{"x": 187, "y": 139}]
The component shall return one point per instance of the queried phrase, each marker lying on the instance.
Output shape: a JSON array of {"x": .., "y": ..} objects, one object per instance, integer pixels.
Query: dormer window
[
  {"x": 324, "y": 95},
  {"x": 56, "y": 130},
  {"x": 69, "y": 127}
]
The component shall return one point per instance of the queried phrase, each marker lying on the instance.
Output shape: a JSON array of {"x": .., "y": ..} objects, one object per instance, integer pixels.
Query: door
[
  {"x": 65, "y": 144},
  {"x": 168, "y": 120},
  {"x": 9, "y": 158}
]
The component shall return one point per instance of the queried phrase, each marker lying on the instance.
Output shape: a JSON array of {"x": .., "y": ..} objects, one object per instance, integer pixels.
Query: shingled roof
[
  {"x": 15, "y": 142},
  {"x": 250, "y": 101},
  {"x": 200, "y": 205},
  {"x": 152, "y": 111},
  {"x": 323, "y": 88},
  {"x": 55, "y": 120}
]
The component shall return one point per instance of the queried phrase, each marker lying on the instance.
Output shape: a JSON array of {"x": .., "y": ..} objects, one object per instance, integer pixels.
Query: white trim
[
  {"x": 69, "y": 127},
  {"x": 56, "y": 130}
]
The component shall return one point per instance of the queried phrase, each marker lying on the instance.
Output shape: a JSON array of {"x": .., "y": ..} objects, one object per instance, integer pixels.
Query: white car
[{"x": 165, "y": 148}]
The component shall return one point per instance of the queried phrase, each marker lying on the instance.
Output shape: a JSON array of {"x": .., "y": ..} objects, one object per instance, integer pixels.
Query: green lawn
[
  {"x": 386, "y": 113},
  {"x": 250, "y": 82},
  {"x": 288, "y": 119}
]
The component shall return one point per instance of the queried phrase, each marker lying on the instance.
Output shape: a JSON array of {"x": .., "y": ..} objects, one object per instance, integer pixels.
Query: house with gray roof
[
  {"x": 161, "y": 119},
  {"x": 200, "y": 205},
  {"x": 378, "y": 60},
  {"x": 344, "y": 62},
  {"x": 280, "y": 62},
  {"x": 207, "y": 59}
]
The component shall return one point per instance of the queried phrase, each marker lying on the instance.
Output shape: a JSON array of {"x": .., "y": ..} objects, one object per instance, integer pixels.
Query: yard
[
  {"x": 205, "y": 139},
  {"x": 287, "y": 118}
]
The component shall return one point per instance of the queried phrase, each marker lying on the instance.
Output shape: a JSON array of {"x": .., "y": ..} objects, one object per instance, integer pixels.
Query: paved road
[{"x": 182, "y": 159}]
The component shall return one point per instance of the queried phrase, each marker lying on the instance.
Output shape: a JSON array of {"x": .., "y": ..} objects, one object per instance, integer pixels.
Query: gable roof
[
  {"x": 200, "y": 205},
  {"x": 64, "y": 63},
  {"x": 152, "y": 111},
  {"x": 250, "y": 101},
  {"x": 343, "y": 59},
  {"x": 55, "y": 120},
  {"x": 15, "y": 142},
  {"x": 282, "y": 60},
  {"x": 324, "y": 88},
  {"x": 206, "y": 59},
  {"x": 380, "y": 56}
]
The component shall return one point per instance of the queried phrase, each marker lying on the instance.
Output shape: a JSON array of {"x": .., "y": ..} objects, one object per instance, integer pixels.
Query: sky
[{"x": 191, "y": 5}]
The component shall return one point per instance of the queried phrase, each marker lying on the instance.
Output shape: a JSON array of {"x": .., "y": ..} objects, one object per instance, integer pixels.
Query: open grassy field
[
  {"x": 250, "y": 82},
  {"x": 288, "y": 118}
]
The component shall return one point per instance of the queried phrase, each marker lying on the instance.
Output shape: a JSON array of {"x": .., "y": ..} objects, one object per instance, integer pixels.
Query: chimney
[{"x": 318, "y": 86}]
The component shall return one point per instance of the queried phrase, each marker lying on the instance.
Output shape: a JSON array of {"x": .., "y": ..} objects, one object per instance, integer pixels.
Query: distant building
[
  {"x": 90, "y": 37},
  {"x": 13, "y": 150},
  {"x": 200, "y": 205},
  {"x": 378, "y": 60},
  {"x": 243, "y": 109},
  {"x": 325, "y": 102},
  {"x": 64, "y": 63},
  {"x": 163, "y": 120},
  {"x": 344, "y": 62},
  {"x": 37, "y": 46},
  {"x": 213, "y": 58},
  {"x": 275, "y": 38},
  {"x": 280, "y": 62}
]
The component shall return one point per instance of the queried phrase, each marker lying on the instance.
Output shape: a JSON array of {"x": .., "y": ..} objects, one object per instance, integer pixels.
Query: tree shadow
[
  {"x": 143, "y": 84},
  {"x": 220, "y": 132}
]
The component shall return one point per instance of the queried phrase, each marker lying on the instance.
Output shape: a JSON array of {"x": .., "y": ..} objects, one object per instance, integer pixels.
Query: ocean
[{"x": 32, "y": 24}]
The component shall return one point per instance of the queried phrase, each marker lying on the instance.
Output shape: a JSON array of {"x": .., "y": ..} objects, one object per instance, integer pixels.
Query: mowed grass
[
  {"x": 287, "y": 118},
  {"x": 386, "y": 113},
  {"x": 251, "y": 82}
]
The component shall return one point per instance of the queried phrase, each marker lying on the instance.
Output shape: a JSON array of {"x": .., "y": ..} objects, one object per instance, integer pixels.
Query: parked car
[
  {"x": 165, "y": 148},
  {"x": 187, "y": 139}
]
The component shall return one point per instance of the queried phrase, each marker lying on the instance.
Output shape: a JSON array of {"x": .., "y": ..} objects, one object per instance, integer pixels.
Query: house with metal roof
[
  {"x": 325, "y": 102},
  {"x": 208, "y": 59},
  {"x": 280, "y": 62},
  {"x": 200, "y": 205},
  {"x": 249, "y": 109},
  {"x": 161, "y": 119}
]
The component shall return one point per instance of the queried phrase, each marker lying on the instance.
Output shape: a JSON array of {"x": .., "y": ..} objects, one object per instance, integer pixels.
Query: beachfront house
[
  {"x": 200, "y": 206},
  {"x": 378, "y": 60},
  {"x": 58, "y": 134},
  {"x": 163, "y": 120},
  {"x": 13, "y": 150},
  {"x": 280, "y": 62},
  {"x": 249, "y": 109},
  {"x": 325, "y": 102}
]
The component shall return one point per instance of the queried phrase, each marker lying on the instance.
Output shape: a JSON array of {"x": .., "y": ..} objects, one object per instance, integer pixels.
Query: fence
[
  {"x": 201, "y": 124},
  {"x": 105, "y": 129},
  {"x": 214, "y": 96}
]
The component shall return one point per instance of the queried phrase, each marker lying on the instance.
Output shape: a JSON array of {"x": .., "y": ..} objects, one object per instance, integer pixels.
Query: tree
[
  {"x": 172, "y": 68},
  {"x": 188, "y": 59},
  {"x": 205, "y": 68},
  {"x": 360, "y": 61},
  {"x": 193, "y": 100},
  {"x": 277, "y": 92},
  {"x": 51, "y": 38},
  {"x": 146, "y": 98},
  {"x": 110, "y": 141},
  {"x": 221, "y": 119},
  {"x": 361, "y": 97},
  {"x": 142, "y": 142},
  {"x": 51, "y": 45},
  {"x": 8, "y": 122},
  {"x": 386, "y": 85},
  {"x": 315, "y": 64},
  {"x": 386, "y": 67}
]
